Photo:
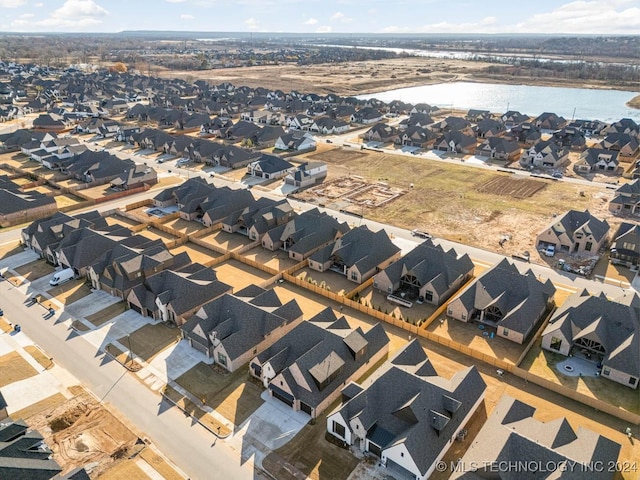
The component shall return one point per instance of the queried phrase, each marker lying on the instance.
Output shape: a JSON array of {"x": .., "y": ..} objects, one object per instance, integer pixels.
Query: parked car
[
  {"x": 556, "y": 174},
  {"x": 62, "y": 276},
  {"x": 550, "y": 251},
  {"x": 420, "y": 234},
  {"x": 183, "y": 161}
]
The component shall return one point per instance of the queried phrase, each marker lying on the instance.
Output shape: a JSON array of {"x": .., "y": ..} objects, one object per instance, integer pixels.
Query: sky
[{"x": 617, "y": 17}]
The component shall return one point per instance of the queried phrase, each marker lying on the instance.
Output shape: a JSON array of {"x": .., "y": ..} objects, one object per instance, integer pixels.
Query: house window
[
  {"x": 632, "y": 381},
  {"x": 449, "y": 311},
  {"x": 606, "y": 371},
  {"x": 505, "y": 332},
  {"x": 588, "y": 246},
  {"x": 428, "y": 295},
  {"x": 464, "y": 316},
  {"x": 390, "y": 289},
  {"x": 354, "y": 276},
  {"x": 339, "y": 429},
  {"x": 556, "y": 343},
  {"x": 222, "y": 359}
]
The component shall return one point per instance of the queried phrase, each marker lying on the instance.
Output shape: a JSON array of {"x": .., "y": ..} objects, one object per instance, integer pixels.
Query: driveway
[
  {"x": 173, "y": 362},
  {"x": 91, "y": 304},
  {"x": 18, "y": 260},
  {"x": 121, "y": 326},
  {"x": 272, "y": 425}
]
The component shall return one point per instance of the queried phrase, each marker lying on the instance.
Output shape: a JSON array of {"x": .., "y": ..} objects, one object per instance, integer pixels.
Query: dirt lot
[
  {"x": 232, "y": 395},
  {"x": 363, "y": 77},
  {"x": 14, "y": 368},
  {"x": 120, "y": 220},
  {"x": 239, "y": 275},
  {"x": 70, "y": 292},
  {"x": 461, "y": 203},
  {"x": 184, "y": 226},
  {"x": 278, "y": 260},
  {"x": 66, "y": 200},
  {"x": 228, "y": 241},
  {"x": 34, "y": 270},
  {"x": 197, "y": 253},
  {"x": 154, "y": 234}
]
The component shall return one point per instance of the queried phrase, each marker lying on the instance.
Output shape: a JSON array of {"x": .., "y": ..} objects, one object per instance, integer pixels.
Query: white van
[{"x": 61, "y": 277}]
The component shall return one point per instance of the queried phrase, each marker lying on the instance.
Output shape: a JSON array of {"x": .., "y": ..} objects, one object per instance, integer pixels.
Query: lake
[{"x": 589, "y": 104}]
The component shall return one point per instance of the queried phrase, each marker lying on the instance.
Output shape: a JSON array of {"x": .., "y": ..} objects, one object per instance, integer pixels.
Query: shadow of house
[
  {"x": 306, "y": 367},
  {"x": 606, "y": 331},
  {"x": 406, "y": 414},
  {"x": 232, "y": 328},
  {"x": 505, "y": 299},
  {"x": 427, "y": 273}
]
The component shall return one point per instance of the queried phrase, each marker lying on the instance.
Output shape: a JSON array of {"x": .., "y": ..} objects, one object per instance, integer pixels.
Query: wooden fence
[{"x": 142, "y": 203}]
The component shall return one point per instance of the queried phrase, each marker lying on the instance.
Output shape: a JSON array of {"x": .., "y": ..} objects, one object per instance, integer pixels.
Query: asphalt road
[{"x": 187, "y": 445}]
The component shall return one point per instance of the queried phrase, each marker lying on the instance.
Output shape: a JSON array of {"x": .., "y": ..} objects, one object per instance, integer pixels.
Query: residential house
[
  {"x": 135, "y": 176},
  {"x": 545, "y": 154},
  {"x": 422, "y": 108},
  {"x": 242, "y": 130},
  {"x": 456, "y": 142},
  {"x": 366, "y": 116},
  {"x": 405, "y": 414},
  {"x": 477, "y": 115},
  {"x": 625, "y": 126},
  {"x": 416, "y": 120},
  {"x": 194, "y": 190},
  {"x": 17, "y": 206},
  {"x": 307, "y": 174},
  {"x": 575, "y": 232},
  {"x": 416, "y": 136},
  {"x": 304, "y": 234},
  {"x": 489, "y": 127},
  {"x": 232, "y": 328},
  {"x": 597, "y": 160},
  {"x": 296, "y": 141},
  {"x": 504, "y": 299},
  {"x": 267, "y": 136},
  {"x": 526, "y": 134},
  {"x": 498, "y": 148},
  {"x": 307, "y": 367},
  {"x": 125, "y": 134},
  {"x": 269, "y": 167},
  {"x": 174, "y": 296},
  {"x": 50, "y": 122},
  {"x": 218, "y": 205},
  {"x": 358, "y": 254},
  {"x": 626, "y": 199},
  {"x": 299, "y": 122},
  {"x": 382, "y": 133},
  {"x": 259, "y": 217},
  {"x": 571, "y": 138},
  {"x": 24, "y": 453},
  {"x": 234, "y": 157},
  {"x": 605, "y": 331},
  {"x": 427, "y": 273},
  {"x": 513, "y": 118},
  {"x": 589, "y": 128},
  {"x": 329, "y": 126},
  {"x": 452, "y": 124},
  {"x": 624, "y": 143},
  {"x": 549, "y": 121},
  {"x": 511, "y": 435},
  {"x": 625, "y": 246}
]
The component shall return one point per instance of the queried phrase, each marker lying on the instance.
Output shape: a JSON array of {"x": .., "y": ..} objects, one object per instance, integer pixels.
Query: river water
[{"x": 583, "y": 103}]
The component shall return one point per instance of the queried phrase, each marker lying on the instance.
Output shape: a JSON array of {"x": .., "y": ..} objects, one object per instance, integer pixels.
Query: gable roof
[{"x": 575, "y": 221}]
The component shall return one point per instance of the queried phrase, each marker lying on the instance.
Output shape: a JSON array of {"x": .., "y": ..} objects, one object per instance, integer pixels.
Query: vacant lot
[
  {"x": 66, "y": 200},
  {"x": 183, "y": 226},
  {"x": 120, "y": 220},
  {"x": 34, "y": 270},
  {"x": 148, "y": 341},
  {"x": 125, "y": 470},
  {"x": 239, "y": 275},
  {"x": 461, "y": 202},
  {"x": 14, "y": 368},
  {"x": 103, "y": 316},
  {"x": 232, "y": 395},
  {"x": 512, "y": 187},
  {"x": 44, "y": 405}
]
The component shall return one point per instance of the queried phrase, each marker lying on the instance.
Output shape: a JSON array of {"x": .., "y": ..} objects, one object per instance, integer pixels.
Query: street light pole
[{"x": 130, "y": 351}]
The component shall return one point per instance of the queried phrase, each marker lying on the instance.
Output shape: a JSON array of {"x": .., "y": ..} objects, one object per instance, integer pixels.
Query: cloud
[
  {"x": 12, "y": 3},
  {"x": 38, "y": 5},
  {"x": 323, "y": 29},
  {"x": 251, "y": 23},
  {"x": 175, "y": 1},
  {"x": 74, "y": 14},
  {"x": 186, "y": 16},
  {"x": 613, "y": 16},
  {"x": 337, "y": 16},
  {"x": 311, "y": 21}
]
